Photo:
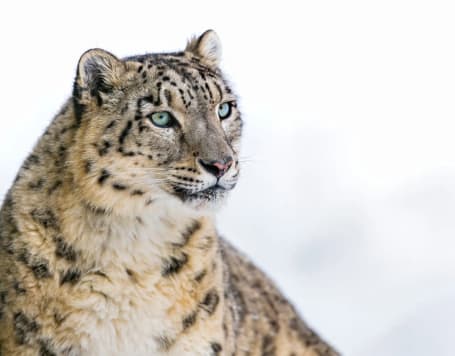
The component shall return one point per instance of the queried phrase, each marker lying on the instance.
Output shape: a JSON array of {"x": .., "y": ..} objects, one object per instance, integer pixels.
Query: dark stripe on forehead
[
  {"x": 175, "y": 70},
  {"x": 158, "y": 96},
  {"x": 125, "y": 132},
  {"x": 182, "y": 96},
  {"x": 209, "y": 90},
  {"x": 168, "y": 96},
  {"x": 218, "y": 88}
]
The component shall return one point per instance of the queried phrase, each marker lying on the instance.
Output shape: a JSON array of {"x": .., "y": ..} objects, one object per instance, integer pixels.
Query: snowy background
[{"x": 348, "y": 193}]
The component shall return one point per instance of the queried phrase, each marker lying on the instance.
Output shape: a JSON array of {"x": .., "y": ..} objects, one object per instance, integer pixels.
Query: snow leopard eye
[
  {"x": 224, "y": 110},
  {"x": 162, "y": 119}
]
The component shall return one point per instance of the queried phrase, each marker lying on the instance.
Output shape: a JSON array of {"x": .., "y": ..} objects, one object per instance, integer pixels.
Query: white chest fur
[{"x": 125, "y": 305}]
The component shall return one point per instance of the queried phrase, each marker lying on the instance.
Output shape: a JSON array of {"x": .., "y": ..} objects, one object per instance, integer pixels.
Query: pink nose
[{"x": 218, "y": 167}]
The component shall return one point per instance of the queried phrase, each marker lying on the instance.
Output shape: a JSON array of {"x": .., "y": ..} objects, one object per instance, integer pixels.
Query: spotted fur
[{"x": 107, "y": 236}]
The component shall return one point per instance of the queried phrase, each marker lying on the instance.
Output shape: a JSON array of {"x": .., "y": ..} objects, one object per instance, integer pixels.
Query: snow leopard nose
[{"x": 217, "y": 167}]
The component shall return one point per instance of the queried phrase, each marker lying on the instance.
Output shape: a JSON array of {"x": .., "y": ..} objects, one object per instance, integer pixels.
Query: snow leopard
[{"x": 108, "y": 243}]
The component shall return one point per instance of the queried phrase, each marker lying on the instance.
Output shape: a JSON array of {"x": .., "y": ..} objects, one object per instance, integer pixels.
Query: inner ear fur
[
  {"x": 207, "y": 47},
  {"x": 99, "y": 71}
]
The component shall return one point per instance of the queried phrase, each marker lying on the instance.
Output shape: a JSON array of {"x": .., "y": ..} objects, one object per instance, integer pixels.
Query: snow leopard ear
[
  {"x": 207, "y": 47},
  {"x": 98, "y": 72}
]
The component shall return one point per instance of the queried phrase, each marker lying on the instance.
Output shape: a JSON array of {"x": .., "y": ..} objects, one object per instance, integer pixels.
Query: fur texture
[{"x": 107, "y": 237}]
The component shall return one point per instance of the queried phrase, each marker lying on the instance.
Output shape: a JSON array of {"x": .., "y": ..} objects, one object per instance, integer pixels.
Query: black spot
[
  {"x": 46, "y": 348},
  {"x": 126, "y": 154},
  {"x": 24, "y": 328},
  {"x": 304, "y": 333},
  {"x": 65, "y": 129},
  {"x": 138, "y": 115},
  {"x": 125, "y": 132},
  {"x": 45, "y": 217},
  {"x": 38, "y": 265},
  {"x": 118, "y": 186},
  {"x": 142, "y": 128},
  {"x": 200, "y": 276},
  {"x": 79, "y": 108},
  {"x": 139, "y": 69},
  {"x": 3, "y": 296},
  {"x": 193, "y": 228},
  {"x": 88, "y": 166},
  {"x": 40, "y": 269},
  {"x": 113, "y": 122},
  {"x": 54, "y": 187},
  {"x": 19, "y": 288},
  {"x": 18, "y": 178},
  {"x": 149, "y": 202},
  {"x": 61, "y": 156},
  {"x": 71, "y": 276},
  {"x": 268, "y": 346},
  {"x": 36, "y": 185},
  {"x": 206, "y": 243},
  {"x": 216, "y": 348},
  {"x": 97, "y": 210},
  {"x": 210, "y": 301},
  {"x": 274, "y": 325},
  {"x": 183, "y": 178},
  {"x": 104, "y": 149},
  {"x": 131, "y": 275},
  {"x": 104, "y": 175},
  {"x": 148, "y": 99},
  {"x": 124, "y": 109},
  {"x": 164, "y": 342},
  {"x": 58, "y": 318},
  {"x": 64, "y": 250},
  {"x": 174, "y": 264},
  {"x": 189, "y": 320},
  {"x": 31, "y": 161},
  {"x": 137, "y": 192}
]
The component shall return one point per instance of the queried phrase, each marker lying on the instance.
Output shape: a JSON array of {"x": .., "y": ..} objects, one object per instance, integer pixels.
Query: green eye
[
  {"x": 162, "y": 119},
  {"x": 224, "y": 110}
]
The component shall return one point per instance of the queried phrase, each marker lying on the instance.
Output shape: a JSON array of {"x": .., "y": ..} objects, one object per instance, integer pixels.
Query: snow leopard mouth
[{"x": 213, "y": 193}]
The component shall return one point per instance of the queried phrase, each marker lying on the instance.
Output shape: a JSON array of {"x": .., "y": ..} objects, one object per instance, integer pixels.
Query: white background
[{"x": 347, "y": 197}]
